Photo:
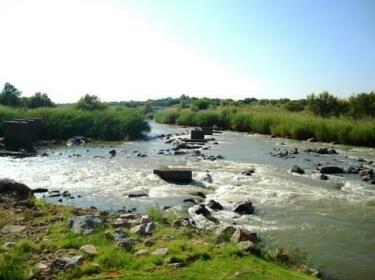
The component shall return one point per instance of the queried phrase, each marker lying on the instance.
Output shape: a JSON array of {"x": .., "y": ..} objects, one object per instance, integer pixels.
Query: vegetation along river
[{"x": 332, "y": 221}]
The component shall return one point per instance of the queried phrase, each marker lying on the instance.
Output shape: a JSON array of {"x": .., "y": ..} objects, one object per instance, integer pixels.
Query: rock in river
[
  {"x": 297, "y": 169},
  {"x": 244, "y": 208},
  {"x": 331, "y": 170},
  {"x": 214, "y": 205}
]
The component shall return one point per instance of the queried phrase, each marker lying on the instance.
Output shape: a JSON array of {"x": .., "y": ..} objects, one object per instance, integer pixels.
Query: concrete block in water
[
  {"x": 197, "y": 135},
  {"x": 175, "y": 175},
  {"x": 207, "y": 130}
]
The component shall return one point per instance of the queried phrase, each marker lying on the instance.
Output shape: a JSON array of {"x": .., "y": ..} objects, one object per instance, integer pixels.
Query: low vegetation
[
  {"x": 277, "y": 121},
  {"x": 47, "y": 235},
  {"x": 65, "y": 122}
]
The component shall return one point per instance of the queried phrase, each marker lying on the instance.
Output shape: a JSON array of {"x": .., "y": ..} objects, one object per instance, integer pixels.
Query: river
[{"x": 332, "y": 221}]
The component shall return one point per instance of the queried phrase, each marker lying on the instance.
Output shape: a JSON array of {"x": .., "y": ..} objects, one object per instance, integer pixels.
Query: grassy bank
[
  {"x": 278, "y": 122},
  {"x": 47, "y": 236},
  {"x": 65, "y": 122}
]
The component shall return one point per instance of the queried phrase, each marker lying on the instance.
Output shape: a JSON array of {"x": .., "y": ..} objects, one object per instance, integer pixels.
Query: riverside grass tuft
[
  {"x": 278, "y": 122},
  {"x": 64, "y": 122}
]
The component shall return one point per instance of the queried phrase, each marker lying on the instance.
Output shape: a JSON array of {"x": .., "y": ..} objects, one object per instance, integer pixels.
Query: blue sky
[{"x": 221, "y": 48}]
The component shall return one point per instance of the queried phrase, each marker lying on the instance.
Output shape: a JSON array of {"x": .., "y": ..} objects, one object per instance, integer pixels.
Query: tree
[
  {"x": 325, "y": 104},
  {"x": 362, "y": 105},
  {"x": 200, "y": 104},
  {"x": 39, "y": 100},
  {"x": 90, "y": 103},
  {"x": 10, "y": 95}
]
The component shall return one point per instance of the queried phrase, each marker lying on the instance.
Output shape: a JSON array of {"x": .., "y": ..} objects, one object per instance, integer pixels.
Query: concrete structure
[
  {"x": 207, "y": 130},
  {"x": 175, "y": 175},
  {"x": 196, "y": 134},
  {"x": 21, "y": 133}
]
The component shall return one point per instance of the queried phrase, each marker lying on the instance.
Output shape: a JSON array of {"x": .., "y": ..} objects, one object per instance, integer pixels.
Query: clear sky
[{"x": 140, "y": 49}]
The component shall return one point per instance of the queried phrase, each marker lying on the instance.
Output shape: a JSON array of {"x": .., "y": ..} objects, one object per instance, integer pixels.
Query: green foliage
[
  {"x": 362, "y": 105},
  {"x": 38, "y": 100},
  {"x": 295, "y": 105},
  {"x": 325, "y": 104},
  {"x": 90, "y": 103},
  {"x": 278, "y": 122},
  {"x": 10, "y": 95},
  {"x": 62, "y": 123},
  {"x": 200, "y": 104}
]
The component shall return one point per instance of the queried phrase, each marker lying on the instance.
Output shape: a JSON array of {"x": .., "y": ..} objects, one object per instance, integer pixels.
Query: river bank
[
  {"x": 46, "y": 241},
  {"x": 274, "y": 121},
  {"x": 292, "y": 210}
]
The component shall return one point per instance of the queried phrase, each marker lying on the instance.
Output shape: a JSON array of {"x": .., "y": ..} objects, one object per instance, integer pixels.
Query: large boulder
[
  {"x": 15, "y": 189},
  {"x": 200, "y": 217},
  {"x": 331, "y": 170},
  {"x": 244, "y": 208},
  {"x": 85, "y": 224}
]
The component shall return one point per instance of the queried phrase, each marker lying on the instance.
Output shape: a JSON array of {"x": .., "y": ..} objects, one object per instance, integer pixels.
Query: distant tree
[
  {"x": 90, "y": 103},
  {"x": 325, "y": 104},
  {"x": 201, "y": 104},
  {"x": 10, "y": 95},
  {"x": 147, "y": 108},
  {"x": 362, "y": 105},
  {"x": 39, "y": 100},
  {"x": 295, "y": 105}
]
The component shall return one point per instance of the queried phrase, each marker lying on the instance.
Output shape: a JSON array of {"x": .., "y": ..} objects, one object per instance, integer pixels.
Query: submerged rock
[
  {"x": 297, "y": 169},
  {"x": 77, "y": 140},
  {"x": 331, "y": 170}
]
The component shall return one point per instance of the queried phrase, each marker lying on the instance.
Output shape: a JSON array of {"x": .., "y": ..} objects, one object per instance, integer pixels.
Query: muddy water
[{"x": 332, "y": 221}]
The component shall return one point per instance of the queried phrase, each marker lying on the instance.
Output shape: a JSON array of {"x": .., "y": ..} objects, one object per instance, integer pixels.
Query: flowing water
[{"x": 332, "y": 221}]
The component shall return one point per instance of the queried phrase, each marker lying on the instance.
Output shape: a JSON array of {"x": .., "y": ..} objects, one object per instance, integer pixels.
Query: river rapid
[{"x": 332, "y": 221}]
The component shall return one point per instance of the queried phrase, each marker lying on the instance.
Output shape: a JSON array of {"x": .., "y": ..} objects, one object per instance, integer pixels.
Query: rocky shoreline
[{"x": 64, "y": 242}]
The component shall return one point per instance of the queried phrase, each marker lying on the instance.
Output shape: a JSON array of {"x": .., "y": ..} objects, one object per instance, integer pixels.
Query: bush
[{"x": 90, "y": 103}]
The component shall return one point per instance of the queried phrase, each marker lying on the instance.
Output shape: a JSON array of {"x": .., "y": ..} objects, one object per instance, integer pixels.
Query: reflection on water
[{"x": 334, "y": 220}]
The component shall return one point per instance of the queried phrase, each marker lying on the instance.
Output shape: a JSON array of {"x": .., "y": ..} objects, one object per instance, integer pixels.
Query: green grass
[
  {"x": 204, "y": 258},
  {"x": 65, "y": 122},
  {"x": 278, "y": 122}
]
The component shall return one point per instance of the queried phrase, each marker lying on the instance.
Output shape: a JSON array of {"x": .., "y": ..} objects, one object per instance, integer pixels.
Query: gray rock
[
  {"x": 200, "y": 217},
  {"x": 324, "y": 177},
  {"x": 12, "y": 229},
  {"x": 85, "y": 224},
  {"x": 119, "y": 235},
  {"x": 249, "y": 247},
  {"x": 242, "y": 234},
  {"x": 121, "y": 222},
  {"x": 142, "y": 252},
  {"x": 66, "y": 263},
  {"x": 89, "y": 249},
  {"x": 126, "y": 244},
  {"x": 160, "y": 252}
]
